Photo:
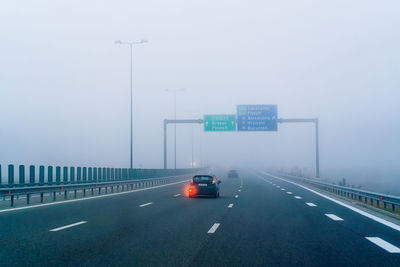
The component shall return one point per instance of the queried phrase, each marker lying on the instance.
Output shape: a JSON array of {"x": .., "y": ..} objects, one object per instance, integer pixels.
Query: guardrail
[
  {"x": 381, "y": 200},
  {"x": 93, "y": 188},
  {"x": 79, "y": 175}
]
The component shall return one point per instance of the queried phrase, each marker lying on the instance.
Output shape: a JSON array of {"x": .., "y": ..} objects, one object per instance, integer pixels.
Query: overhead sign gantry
[{"x": 249, "y": 118}]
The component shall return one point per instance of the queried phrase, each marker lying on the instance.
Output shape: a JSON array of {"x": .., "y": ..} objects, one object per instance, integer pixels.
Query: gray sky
[{"x": 64, "y": 84}]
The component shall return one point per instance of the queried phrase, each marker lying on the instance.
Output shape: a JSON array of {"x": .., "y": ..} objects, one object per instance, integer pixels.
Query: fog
[{"x": 64, "y": 83}]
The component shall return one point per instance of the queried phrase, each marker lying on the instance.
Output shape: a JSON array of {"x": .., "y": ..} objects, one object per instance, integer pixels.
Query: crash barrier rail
[
  {"x": 93, "y": 188},
  {"x": 367, "y": 197},
  {"x": 80, "y": 175}
]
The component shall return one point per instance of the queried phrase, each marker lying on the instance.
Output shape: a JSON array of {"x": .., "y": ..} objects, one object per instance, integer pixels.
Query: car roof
[{"x": 208, "y": 175}]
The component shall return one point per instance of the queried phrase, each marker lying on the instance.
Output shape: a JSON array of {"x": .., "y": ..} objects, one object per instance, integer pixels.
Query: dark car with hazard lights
[{"x": 204, "y": 185}]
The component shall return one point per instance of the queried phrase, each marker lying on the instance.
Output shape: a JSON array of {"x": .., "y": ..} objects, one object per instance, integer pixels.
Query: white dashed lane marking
[
  {"x": 230, "y": 205},
  {"x": 236, "y": 196},
  {"x": 334, "y": 217},
  {"x": 298, "y": 197},
  {"x": 289, "y": 193},
  {"x": 177, "y": 195},
  {"x": 383, "y": 244},
  {"x": 67, "y": 226},
  {"x": 144, "y": 205},
  {"x": 213, "y": 228},
  {"x": 311, "y": 204}
]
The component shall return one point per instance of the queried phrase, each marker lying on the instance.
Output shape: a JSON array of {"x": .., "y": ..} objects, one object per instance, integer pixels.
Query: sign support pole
[
  {"x": 315, "y": 121},
  {"x": 166, "y": 122}
]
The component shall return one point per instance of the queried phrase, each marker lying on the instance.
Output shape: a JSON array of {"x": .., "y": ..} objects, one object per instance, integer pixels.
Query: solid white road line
[
  {"x": 230, "y": 205},
  {"x": 334, "y": 217},
  {"x": 236, "y": 196},
  {"x": 67, "y": 226},
  {"x": 383, "y": 244},
  {"x": 289, "y": 193},
  {"x": 177, "y": 195},
  {"x": 298, "y": 197},
  {"x": 87, "y": 198},
  {"x": 144, "y": 205},
  {"x": 363, "y": 213},
  {"x": 213, "y": 228},
  {"x": 311, "y": 204}
]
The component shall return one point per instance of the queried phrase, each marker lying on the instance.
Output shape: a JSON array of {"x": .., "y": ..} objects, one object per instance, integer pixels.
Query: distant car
[
  {"x": 204, "y": 185},
  {"x": 233, "y": 174}
]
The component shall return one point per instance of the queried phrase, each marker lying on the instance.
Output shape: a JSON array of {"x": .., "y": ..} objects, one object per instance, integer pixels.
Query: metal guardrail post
[
  {"x": 99, "y": 176},
  {"x": 32, "y": 175},
  {"x": 65, "y": 175},
  {"x": 21, "y": 175},
  {"x": 11, "y": 175},
  {"x": 50, "y": 175},
  {"x": 41, "y": 175},
  {"x": 90, "y": 174},
  {"x": 84, "y": 174},
  {"x": 58, "y": 174},
  {"x": 95, "y": 174},
  {"x": 72, "y": 175},
  {"x": 78, "y": 175}
]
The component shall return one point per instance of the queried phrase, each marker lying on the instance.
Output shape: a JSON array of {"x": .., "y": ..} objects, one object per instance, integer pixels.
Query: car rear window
[{"x": 202, "y": 179}]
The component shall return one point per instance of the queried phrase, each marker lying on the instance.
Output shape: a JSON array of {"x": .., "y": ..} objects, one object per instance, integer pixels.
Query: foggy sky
[{"x": 64, "y": 84}]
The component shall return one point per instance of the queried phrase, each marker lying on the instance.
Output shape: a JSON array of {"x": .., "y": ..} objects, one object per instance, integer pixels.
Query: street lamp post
[
  {"x": 192, "y": 148},
  {"x": 175, "y": 91},
  {"x": 131, "y": 44}
]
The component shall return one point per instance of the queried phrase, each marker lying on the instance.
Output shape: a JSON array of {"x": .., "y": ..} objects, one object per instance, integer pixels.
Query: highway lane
[
  {"x": 118, "y": 230},
  {"x": 263, "y": 225},
  {"x": 355, "y": 222},
  {"x": 271, "y": 227}
]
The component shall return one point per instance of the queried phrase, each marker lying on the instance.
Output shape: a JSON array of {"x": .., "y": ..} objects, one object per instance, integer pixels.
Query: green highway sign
[{"x": 219, "y": 123}]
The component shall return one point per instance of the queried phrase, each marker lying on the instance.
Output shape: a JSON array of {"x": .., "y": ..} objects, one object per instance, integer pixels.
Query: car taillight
[
  {"x": 213, "y": 181},
  {"x": 190, "y": 190}
]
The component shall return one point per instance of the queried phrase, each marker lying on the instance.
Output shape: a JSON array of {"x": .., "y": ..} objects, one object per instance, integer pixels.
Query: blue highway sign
[{"x": 257, "y": 117}]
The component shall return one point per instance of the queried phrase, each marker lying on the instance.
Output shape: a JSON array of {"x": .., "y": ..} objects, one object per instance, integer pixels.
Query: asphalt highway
[{"x": 259, "y": 220}]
